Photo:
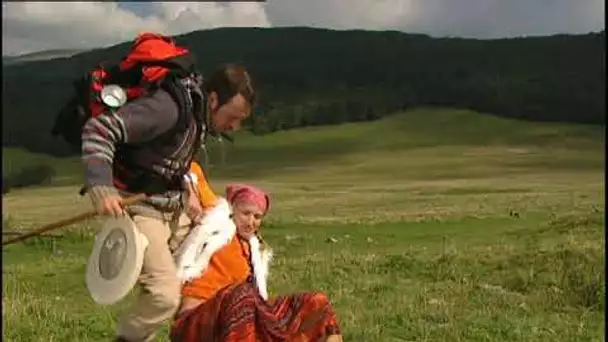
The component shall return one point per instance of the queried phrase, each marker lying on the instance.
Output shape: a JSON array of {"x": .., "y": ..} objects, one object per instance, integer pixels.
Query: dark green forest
[{"x": 311, "y": 76}]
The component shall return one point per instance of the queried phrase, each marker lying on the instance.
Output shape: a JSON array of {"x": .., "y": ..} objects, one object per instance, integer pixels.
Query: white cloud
[
  {"x": 186, "y": 17},
  {"x": 379, "y": 14},
  {"x": 39, "y": 26},
  {"x": 464, "y": 18},
  {"x": 54, "y": 25}
]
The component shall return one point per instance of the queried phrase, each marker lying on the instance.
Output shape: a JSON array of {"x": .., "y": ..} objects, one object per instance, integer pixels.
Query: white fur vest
[{"x": 215, "y": 231}]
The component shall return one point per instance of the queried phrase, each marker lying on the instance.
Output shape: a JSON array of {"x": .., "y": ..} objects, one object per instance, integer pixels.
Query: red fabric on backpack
[
  {"x": 152, "y": 47},
  {"x": 147, "y": 47}
]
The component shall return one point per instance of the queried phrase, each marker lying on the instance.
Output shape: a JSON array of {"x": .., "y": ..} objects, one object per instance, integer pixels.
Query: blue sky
[
  {"x": 142, "y": 9},
  {"x": 35, "y": 26}
]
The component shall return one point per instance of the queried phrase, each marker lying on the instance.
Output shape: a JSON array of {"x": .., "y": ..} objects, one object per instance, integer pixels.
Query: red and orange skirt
[{"x": 238, "y": 313}]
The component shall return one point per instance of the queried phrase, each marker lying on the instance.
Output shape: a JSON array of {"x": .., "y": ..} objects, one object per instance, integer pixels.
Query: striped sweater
[{"x": 138, "y": 121}]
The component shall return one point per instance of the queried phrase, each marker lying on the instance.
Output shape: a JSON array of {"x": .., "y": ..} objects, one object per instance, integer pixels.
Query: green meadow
[{"x": 429, "y": 225}]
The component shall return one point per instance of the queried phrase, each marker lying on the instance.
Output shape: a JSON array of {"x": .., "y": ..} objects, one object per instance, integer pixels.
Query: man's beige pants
[{"x": 159, "y": 297}]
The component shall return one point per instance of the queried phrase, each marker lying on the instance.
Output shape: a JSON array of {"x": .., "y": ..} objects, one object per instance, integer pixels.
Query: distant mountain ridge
[
  {"x": 40, "y": 56},
  {"x": 309, "y": 77}
]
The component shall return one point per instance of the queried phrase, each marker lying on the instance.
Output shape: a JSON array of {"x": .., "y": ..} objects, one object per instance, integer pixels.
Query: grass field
[{"x": 432, "y": 225}]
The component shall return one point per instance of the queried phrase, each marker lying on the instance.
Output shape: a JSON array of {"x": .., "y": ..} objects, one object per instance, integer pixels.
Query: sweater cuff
[{"x": 99, "y": 192}]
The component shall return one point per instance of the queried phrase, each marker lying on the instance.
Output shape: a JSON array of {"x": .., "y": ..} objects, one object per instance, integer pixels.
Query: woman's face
[{"x": 247, "y": 218}]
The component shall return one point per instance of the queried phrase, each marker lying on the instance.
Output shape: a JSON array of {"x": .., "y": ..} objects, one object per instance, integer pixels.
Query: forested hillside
[{"x": 317, "y": 77}]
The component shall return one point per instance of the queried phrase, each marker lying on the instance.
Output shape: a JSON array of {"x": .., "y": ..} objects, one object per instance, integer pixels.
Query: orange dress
[
  {"x": 208, "y": 198},
  {"x": 229, "y": 265}
]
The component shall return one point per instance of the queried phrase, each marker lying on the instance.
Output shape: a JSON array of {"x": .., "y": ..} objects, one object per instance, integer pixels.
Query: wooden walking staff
[{"x": 69, "y": 221}]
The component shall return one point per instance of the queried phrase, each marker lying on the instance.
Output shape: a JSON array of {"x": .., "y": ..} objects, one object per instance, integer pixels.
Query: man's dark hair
[{"x": 229, "y": 80}]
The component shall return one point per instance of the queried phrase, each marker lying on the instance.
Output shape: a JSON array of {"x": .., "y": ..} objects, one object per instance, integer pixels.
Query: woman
[{"x": 227, "y": 302}]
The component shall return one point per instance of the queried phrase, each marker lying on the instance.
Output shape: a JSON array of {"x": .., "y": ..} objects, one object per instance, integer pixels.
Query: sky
[{"x": 36, "y": 26}]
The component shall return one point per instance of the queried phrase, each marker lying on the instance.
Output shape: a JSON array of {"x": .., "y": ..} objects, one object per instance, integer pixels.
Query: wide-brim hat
[{"x": 116, "y": 260}]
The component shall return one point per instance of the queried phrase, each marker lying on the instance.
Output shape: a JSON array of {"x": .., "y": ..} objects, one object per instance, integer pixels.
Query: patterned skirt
[{"x": 238, "y": 313}]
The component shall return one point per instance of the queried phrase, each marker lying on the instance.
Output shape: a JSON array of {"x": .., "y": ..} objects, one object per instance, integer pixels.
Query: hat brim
[{"x": 108, "y": 290}]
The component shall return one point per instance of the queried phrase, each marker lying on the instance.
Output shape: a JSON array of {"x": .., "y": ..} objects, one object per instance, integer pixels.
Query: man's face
[{"x": 228, "y": 117}]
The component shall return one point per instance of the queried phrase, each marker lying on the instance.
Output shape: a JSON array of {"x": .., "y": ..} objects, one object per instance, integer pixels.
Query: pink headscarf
[{"x": 247, "y": 193}]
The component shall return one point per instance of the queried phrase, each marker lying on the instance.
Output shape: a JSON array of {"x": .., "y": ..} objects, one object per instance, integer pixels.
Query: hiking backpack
[{"x": 152, "y": 59}]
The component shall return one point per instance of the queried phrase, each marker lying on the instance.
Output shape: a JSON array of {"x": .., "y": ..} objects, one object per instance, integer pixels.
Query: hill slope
[
  {"x": 383, "y": 147},
  {"x": 39, "y": 56},
  {"x": 315, "y": 77},
  {"x": 381, "y": 144},
  {"x": 434, "y": 224},
  {"x": 418, "y": 164}
]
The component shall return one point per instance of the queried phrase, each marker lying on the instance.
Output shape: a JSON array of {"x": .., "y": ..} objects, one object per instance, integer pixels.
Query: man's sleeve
[{"x": 137, "y": 122}]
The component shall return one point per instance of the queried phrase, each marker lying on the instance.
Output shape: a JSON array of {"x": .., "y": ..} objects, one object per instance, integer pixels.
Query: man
[{"x": 147, "y": 146}]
